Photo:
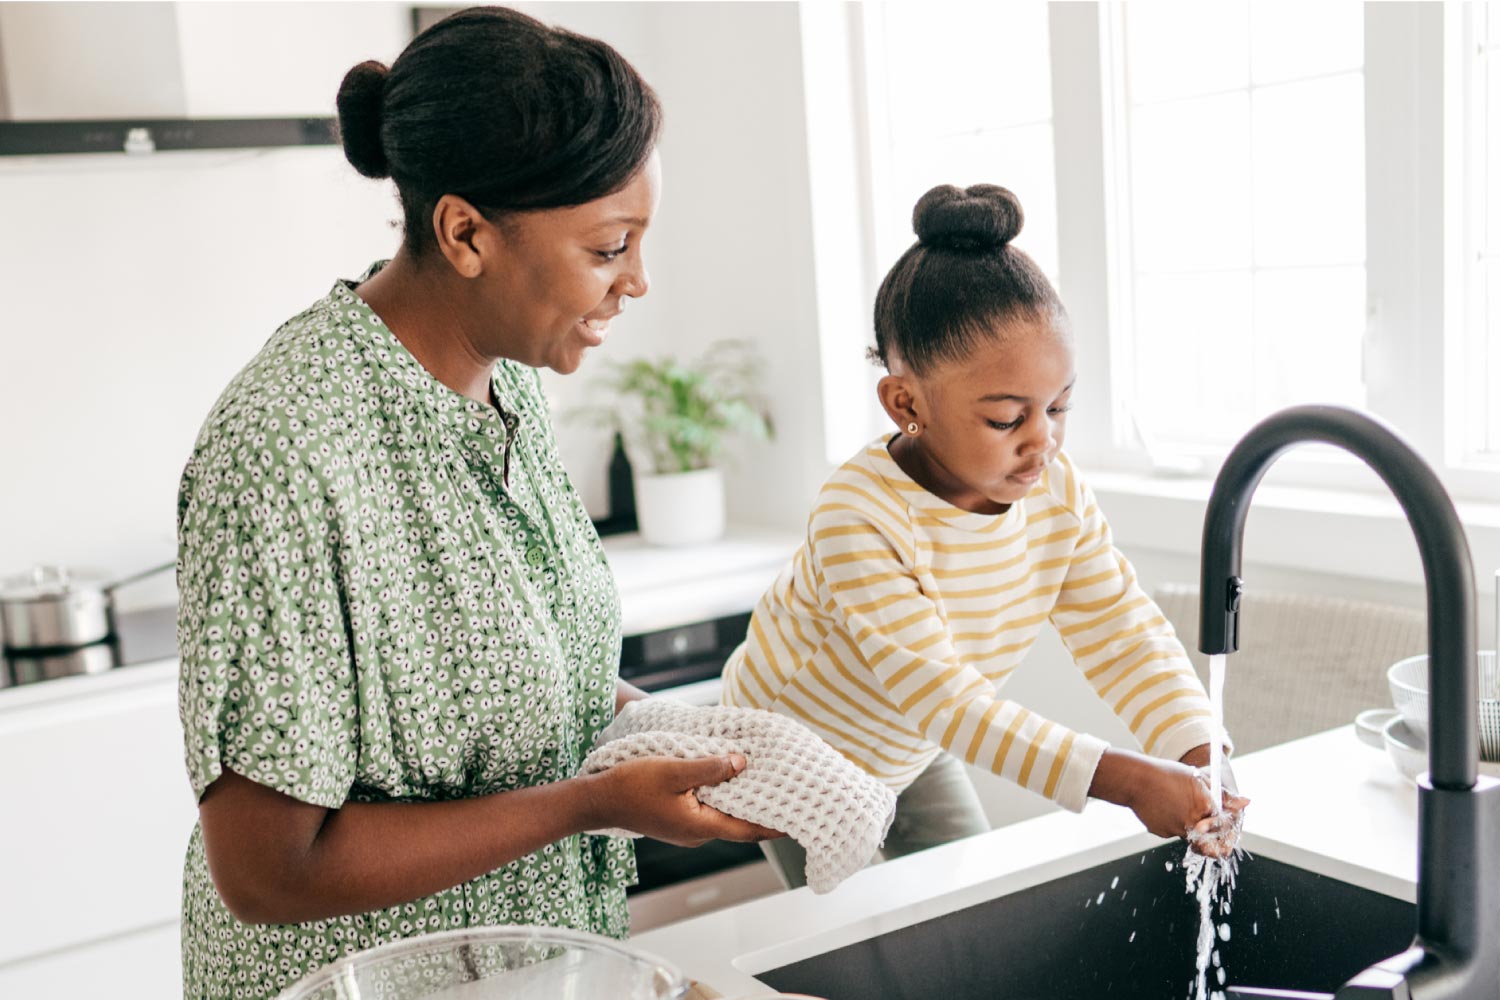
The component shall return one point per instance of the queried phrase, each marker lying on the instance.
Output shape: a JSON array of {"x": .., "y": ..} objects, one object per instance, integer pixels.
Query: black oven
[
  {"x": 672, "y": 657},
  {"x": 658, "y": 662}
]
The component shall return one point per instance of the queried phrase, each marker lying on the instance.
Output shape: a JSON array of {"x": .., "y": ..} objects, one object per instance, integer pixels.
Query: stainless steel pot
[
  {"x": 27, "y": 668},
  {"x": 53, "y": 609}
]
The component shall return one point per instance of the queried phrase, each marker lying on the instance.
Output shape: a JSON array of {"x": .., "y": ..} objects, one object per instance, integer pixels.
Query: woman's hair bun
[
  {"x": 360, "y": 101},
  {"x": 981, "y": 217}
]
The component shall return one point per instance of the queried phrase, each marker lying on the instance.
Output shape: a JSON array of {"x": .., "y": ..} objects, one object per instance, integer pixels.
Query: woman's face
[
  {"x": 990, "y": 423},
  {"x": 556, "y": 277}
]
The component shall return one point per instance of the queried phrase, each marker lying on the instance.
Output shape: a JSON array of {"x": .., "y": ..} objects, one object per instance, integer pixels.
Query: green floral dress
[{"x": 389, "y": 592}]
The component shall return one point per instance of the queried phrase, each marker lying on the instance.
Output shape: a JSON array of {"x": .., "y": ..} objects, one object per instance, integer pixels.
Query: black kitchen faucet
[{"x": 1456, "y": 954}]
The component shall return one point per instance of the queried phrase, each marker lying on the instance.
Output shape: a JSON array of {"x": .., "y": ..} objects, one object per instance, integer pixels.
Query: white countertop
[
  {"x": 1326, "y": 803},
  {"x": 666, "y": 587}
]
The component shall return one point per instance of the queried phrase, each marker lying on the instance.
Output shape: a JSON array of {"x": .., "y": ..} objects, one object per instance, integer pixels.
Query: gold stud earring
[{"x": 912, "y": 428}]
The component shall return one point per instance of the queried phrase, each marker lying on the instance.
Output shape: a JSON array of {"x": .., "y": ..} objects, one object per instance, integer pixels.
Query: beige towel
[{"x": 793, "y": 781}]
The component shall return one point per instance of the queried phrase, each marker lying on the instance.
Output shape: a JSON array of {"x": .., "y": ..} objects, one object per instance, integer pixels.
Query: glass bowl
[{"x": 495, "y": 963}]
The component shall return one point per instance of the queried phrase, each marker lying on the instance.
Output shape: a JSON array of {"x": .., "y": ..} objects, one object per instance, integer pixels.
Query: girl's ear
[{"x": 901, "y": 399}]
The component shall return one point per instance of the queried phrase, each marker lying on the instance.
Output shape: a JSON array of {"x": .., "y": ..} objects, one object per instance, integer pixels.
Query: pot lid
[{"x": 45, "y": 583}]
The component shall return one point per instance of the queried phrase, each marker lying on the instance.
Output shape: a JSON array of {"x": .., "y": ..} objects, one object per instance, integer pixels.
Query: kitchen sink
[{"x": 1125, "y": 929}]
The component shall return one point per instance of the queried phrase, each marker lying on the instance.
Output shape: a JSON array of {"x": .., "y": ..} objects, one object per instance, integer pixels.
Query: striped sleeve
[
  {"x": 900, "y": 636},
  {"x": 1122, "y": 642}
]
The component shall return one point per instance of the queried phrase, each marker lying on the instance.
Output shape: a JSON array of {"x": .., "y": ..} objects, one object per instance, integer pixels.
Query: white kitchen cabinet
[
  {"x": 98, "y": 811},
  {"x": 142, "y": 966}
]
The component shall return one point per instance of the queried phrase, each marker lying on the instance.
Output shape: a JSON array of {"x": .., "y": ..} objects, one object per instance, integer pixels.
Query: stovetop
[{"x": 145, "y": 636}]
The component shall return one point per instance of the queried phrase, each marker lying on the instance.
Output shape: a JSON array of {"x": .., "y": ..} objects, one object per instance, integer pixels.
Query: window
[
  {"x": 1241, "y": 180},
  {"x": 946, "y": 108},
  {"x": 1479, "y": 245}
]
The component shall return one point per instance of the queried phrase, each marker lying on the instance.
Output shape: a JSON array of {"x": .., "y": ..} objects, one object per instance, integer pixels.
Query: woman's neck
[{"x": 417, "y": 301}]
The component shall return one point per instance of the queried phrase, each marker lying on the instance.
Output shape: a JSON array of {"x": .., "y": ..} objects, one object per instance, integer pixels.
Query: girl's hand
[
  {"x": 1171, "y": 799},
  {"x": 654, "y": 796},
  {"x": 1216, "y": 836}
]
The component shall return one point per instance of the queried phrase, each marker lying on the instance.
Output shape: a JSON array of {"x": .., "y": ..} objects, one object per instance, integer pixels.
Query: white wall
[
  {"x": 740, "y": 226},
  {"x": 132, "y": 292},
  {"x": 730, "y": 253},
  {"x": 133, "y": 289}
]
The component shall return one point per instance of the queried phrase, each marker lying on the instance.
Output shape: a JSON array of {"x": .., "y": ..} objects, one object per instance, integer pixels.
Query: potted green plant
[{"x": 675, "y": 418}]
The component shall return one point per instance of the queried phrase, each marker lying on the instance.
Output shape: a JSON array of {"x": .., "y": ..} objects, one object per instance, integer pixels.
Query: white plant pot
[{"x": 680, "y": 508}]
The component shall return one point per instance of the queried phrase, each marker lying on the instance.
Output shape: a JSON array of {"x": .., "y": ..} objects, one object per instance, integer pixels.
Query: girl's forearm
[
  {"x": 1197, "y": 757},
  {"x": 1121, "y": 773},
  {"x": 1117, "y": 777}
]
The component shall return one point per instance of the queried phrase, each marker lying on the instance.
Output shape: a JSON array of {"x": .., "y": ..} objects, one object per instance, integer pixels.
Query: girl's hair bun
[
  {"x": 360, "y": 102},
  {"x": 982, "y": 217}
]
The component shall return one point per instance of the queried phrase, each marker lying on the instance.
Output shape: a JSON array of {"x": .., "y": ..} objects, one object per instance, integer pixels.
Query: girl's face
[
  {"x": 558, "y": 276},
  {"x": 988, "y": 424}
]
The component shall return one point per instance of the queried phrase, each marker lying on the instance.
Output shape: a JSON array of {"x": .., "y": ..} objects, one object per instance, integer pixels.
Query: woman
[{"x": 399, "y": 634}]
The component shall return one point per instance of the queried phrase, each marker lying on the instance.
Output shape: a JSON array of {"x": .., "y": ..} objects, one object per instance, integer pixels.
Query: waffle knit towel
[{"x": 792, "y": 781}]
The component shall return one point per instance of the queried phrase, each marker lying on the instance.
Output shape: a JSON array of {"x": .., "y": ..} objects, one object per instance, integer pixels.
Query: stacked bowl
[{"x": 1402, "y": 731}]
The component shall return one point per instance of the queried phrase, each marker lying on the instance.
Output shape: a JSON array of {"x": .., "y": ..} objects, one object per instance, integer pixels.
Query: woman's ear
[
  {"x": 461, "y": 230},
  {"x": 901, "y": 399}
]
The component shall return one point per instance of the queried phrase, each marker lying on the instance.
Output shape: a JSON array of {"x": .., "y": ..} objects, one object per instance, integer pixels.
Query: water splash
[{"x": 1211, "y": 882}]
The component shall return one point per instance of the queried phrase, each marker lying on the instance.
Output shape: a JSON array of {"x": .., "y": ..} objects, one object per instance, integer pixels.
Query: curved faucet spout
[
  {"x": 1454, "y": 956},
  {"x": 1452, "y": 711}
]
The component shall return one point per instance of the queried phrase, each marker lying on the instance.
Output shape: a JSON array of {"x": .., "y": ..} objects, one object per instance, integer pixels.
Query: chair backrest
[{"x": 1305, "y": 663}]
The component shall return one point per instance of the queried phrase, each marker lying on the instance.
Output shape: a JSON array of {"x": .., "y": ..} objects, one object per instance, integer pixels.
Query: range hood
[{"x": 141, "y": 77}]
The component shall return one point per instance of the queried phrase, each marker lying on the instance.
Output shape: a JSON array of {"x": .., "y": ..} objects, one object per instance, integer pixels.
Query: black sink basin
[{"x": 1289, "y": 929}]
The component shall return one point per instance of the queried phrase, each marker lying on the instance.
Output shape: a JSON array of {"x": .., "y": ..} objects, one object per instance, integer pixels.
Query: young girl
[{"x": 935, "y": 555}]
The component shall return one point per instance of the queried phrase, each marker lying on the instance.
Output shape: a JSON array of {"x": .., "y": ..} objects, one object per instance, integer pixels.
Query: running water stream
[
  {"x": 1216, "y": 746},
  {"x": 1211, "y": 880}
]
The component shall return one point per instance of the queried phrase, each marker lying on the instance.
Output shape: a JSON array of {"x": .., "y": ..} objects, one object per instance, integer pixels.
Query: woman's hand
[
  {"x": 1171, "y": 799},
  {"x": 655, "y": 796}
]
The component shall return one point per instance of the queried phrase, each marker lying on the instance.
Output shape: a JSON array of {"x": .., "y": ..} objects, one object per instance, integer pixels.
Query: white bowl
[
  {"x": 1406, "y": 747},
  {"x": 1408, "y": 683},
  {"x": 1386, "y": 729}
]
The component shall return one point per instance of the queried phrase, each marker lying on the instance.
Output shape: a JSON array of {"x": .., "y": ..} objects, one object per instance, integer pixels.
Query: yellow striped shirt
[{"x": 899, "y": 619}]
